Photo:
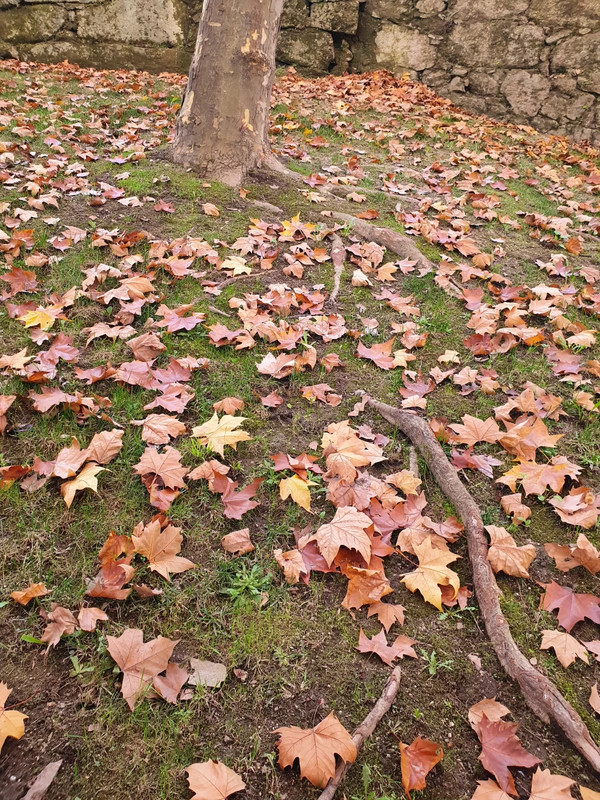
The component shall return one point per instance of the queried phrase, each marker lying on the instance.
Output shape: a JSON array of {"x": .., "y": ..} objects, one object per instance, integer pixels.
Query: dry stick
[
  {"x": 540, "y": 694},
  {"x": 386, "y": 237},
  {"x": 338, "y": 254},
  {"x": 365, "y": 729}
]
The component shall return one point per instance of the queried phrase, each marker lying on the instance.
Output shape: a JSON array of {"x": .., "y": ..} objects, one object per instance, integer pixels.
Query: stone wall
[{"x": 529, "y": 61}]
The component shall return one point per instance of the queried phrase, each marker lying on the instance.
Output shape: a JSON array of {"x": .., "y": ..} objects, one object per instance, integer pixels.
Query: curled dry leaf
[
  {"x": 316, "y": 748},
  {"x": 237, "y": 542},
  {"x": 292, "y": 564},
  {"x": 60, "y": 623},
  {"x": 416, "y": 762},
  {"x": 33, "y": 590},
  {"x": 212, "y": 780},
  {"x": 85, "y": 480},
  {"x": 505, "y": 556}
]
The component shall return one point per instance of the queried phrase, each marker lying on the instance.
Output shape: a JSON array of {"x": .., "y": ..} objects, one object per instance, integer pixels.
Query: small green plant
[
  {"x": 368, "y": 792},
  {"x": 78, "y": 668},
  {"x": 433, "y": 664},
  {"x": 455, "y": 613},
  {"x": 418, "y": 714},
  {"x": 247, "y": 584}
]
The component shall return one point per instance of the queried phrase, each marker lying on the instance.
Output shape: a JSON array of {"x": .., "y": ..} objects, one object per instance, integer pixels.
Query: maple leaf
[
  {"x": 61, "y": 623},
  {"x": 229, "y": 405},
  {"x": 566, "y": 647},
  {"x": 348, "y": 529},
  {"x": 33, "y": 590},
  {"x": 237, "y": 542},
  {"x": 588, "y": 794},
  {"x": 89, "y": 617},
  {"x": 387, "y": 613},
  {"x": 594, "y": 699},
  {"x": 217, "y": 433},
  {"x": 140, "y": 662},
  {"x": 279, "y": 367},
  {"x": 316, "y": 748},
  {"x": 292, "y": 564},
  {"x": 416, "y": 762},
  {"x": 160, "y": 547},
  {"x": 546, "y": 786},
  {"x": 111, "y": 579},
  {"x": 212, "y": 780},
  {"x": 505, "y": 556},
  {"x": 146, "y": 347},
  {"x": 584, "y": 554},
  {"x": 401, "y": 647},
  {"x": 572, "y": 607},
  {"x": 379, "y": 354},
  {"x": 85, "y": 480},
  {"x": 171, "y": 683},
  {"x": 271, "y": 400},
  {"x": 489, "y": 790},
  {"x": 297, "y": 489},
  {"x": 580, "y": 507},
  {"x": 165, "y": 465},
  {"x": 512, "y": 506},
  {"x": 238, "y": 503},
  {"x": 492, "y": 709},
  {"x": 104, "y": 446},
  {"x": 12, "y": 723},
  {"x": 501, "y": 749},
  {"x": 160, "y": 428},
  {"x": 365, "y": 586},
  {"x": 432, "y": 573},
  {"x": 475, "y": 430}
]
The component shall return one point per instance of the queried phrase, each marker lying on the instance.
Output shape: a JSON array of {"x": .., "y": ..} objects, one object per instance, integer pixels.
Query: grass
[{"x": 290, "y": 651}]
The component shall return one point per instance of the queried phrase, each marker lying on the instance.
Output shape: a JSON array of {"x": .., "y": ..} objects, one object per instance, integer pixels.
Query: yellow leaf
[
  {"x": 217, "y": 433},
  {"x": 432, "y": 573},
  {"x": 85, "y": 480},
  {"x": 297, "y": 489}
]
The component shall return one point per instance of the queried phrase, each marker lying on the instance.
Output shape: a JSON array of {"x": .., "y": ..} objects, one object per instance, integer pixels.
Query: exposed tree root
[
  {"x": 540, "y": 694},
  {"x": 338, "y": 255},
  {"x": 365, "y": 729},
  {"x": 413, "y": 462},
  {"x": 391, "y": 240}
]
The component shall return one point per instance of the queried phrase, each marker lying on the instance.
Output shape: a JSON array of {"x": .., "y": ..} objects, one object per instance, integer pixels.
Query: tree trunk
[{"x": 222, "y": 128}]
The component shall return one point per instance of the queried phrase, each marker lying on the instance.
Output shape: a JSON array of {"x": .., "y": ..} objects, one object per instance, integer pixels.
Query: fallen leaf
[
  {"x": 377, "y": 644},
  {"x": 160, "y": 547},
  {"x": 505, "y": 556},
  {"x": 546, "y": 786},
  {"x": 501, "y": 749},
  {"x": 12, "y": 723},
  {"x": 316, "y": 748},
  {"x": 85, "y": 480},
  {"x": 348, "y": 528},
  {"x": 217, "y": 433},
  {"x": 566, "y": 647},
  {"x": 33, "y": 590},
  {"x": 89, "y": 617},
  {"x": 416, "y": 762},
  {"x": 237, "y": 542},
  {"x": 207, "y": 673},
  {"x": 212, "y": 780}
]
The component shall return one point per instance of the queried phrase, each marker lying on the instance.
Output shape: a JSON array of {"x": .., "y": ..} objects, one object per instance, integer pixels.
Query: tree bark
[{"x": 222, "y": 128}]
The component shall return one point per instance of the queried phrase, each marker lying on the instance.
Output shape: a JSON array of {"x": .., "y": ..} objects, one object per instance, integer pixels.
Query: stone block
[
  {"x": 99, "y": 56},
  {"x": 295, "y": 14},
  {"x": 580, "y": 55},
  {"x": 482, "y": 83},
  {"x": 149, "y": 22},
  {"x": 400, "y": 48},
  {"x": 339, "y": 16},
  {"x": 31, "y": 23},
  {"x": 495, "y": 44},
  {"x": 310, "y": 49},
  {"x": 394, "y": 10},
  {"x": 427, "y": 8},
  {"x": 525, "y": 91},
  {"x": 555, "y": 14},
  {"x": 487, "y": 9}
]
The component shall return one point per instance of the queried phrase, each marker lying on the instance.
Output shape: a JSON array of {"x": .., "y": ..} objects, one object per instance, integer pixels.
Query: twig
[
  {"x": 386, "y": 237},
  {"x": 365, "y": 729},
  {"x": 338, "y": 254},
  {"x": 216, "y": 310},
  {"x": 540, "y": 694}
]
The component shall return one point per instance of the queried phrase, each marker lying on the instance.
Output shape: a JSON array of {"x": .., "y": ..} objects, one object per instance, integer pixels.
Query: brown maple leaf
[
  {"x": 566, "y": 647},
  {"x": 160, "y": 547},
  {"x": 501, "y": 749},
  {"x": 165, "y": 466},
  {"x": 416, "y": 762},
  {"x": 505, "y": 556},
  {"x": 25, "y": 595},
  {"x": 316, "y": 748},
  {"x": 212, "y": 780},
  {"x": 12, "y": 723},
  {"x": 571, "y": 606},
  {"x": 140, "y": 662},
  {"x": 402, "y": 646},
  {"x": 348, "y": 528}
]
